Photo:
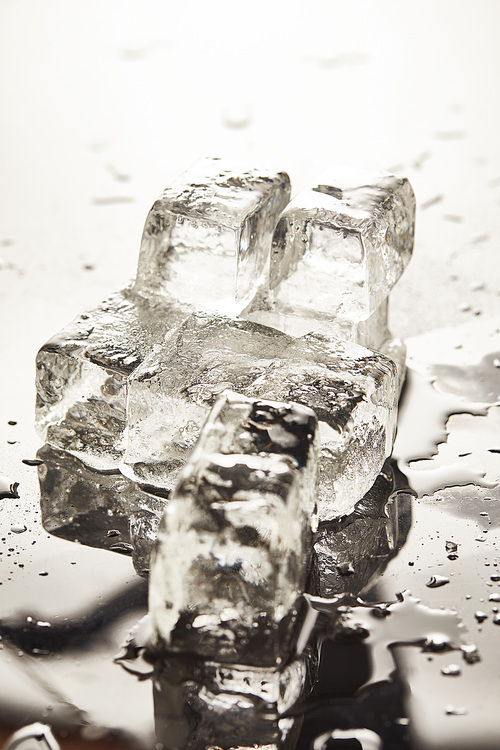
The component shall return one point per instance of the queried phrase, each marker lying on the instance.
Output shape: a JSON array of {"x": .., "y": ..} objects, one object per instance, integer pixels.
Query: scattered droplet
[
  {"x": 12, "y": 422},
  {"x": 495, "y": 577},
  {"x": 470, "y": 653},
  {"x": 32, "y": 461},
  {"x": 113, "y": 532},
  {"x": 451, "y": 546},
  {"x": 494, "y": 598},
  {"x": 452, "y": 670},
  {"x": 455, "y": 711},
  {"x": 18, "y": 528},
  {"x": 496, "y": 620},
  {"x": 8, "y": 489},
  {"x": 122, "y": 547},
  {"x": 437, "y": 643},
  {"x": 437, "y": 581},
  {"x": 43, "y": 573},
  {"x": 480, "y": 616}
]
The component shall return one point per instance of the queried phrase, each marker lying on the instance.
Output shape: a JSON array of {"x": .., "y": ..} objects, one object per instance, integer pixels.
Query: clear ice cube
[
  {"x": 234, "y": 545},
  {"x": 205, "y": 245},
  {"x": 81, "y": 374},
  {"x": 338, "y": 249},
  {"x": 208, "y": 237},
  {"x": 352, "y": 390}
]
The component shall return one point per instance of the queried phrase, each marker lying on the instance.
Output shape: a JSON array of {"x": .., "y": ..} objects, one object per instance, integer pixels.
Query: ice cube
[
  {"x": 234, "y": 545},
  {"x": 201, "y": 704},
  {"x": 352, "y": 390},
  {"x": 338, "y": 249},
  {"x": 208, "y": 237},
  {"x": 205, "y": 245},
  {"x": 82, "y": 373}
]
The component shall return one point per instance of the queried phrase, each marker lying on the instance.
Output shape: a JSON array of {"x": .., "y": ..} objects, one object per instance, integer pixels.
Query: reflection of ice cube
[
  {"x": 201, "y": 704},
  {"x": 338, "y": 249},
  {"x": 350, "y": 551},
  {"x": 82, "y": 373},
  {"x": 98, "y": 509},
  {"x": 352, "y": 390},
  {"x": 234, "y": 545},
  {"x": 207, "y": 238}
]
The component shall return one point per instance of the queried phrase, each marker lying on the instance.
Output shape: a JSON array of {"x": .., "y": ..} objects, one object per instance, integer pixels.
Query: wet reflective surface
[{"x": 402, "y": 631}]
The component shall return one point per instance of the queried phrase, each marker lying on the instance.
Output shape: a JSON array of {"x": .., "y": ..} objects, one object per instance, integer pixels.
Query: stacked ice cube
[
  {"x": 234, "y": 372},
  {"x": 129, "y": 383},
  {"x": 338, "y": 249},
  {"x": 205, "y": 243}
]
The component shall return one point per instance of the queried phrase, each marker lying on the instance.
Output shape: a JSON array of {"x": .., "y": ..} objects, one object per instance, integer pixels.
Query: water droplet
[
  {"x": 437, "y": 643},
  {"x": 18, "y": 528},
  {"x": 43, "y": 573},
  {"x": 32, "y": 461},
  {"x": 452, "y": 670},
  {"x": 470, "y": 653},
  {"x": 437, "y": 581},
  {"x": 8, "y": 489},
  {"x": 496, "y": 620},
  {"x": 480, "y": 616},
  {"x": 495, "y": 577},
  {"x": 451, "y": 546},
  {"x": 122, "y": 547},
  {"x": 113, "y": 532},
  {"x": 455, "y": 711},
  {"x": 494, "y": 598}
]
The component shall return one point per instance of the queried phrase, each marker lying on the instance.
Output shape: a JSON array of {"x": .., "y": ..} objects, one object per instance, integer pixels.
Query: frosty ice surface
[
  {"x": 352, "y": 390},
  {"x": 234, "y": 545},
  {"x": 205, "y": 244},
  {"x": 207, "y": 238},
  {"x": 338, "y": 249}
]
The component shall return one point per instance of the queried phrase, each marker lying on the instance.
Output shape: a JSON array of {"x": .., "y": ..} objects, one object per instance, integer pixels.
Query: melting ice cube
[
  {"x": 352, "y": 390},
  {"x": 235, "y": 543}
]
